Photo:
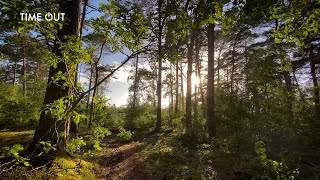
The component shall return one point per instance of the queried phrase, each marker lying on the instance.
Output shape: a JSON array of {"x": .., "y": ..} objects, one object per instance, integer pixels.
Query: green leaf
[
  {"x": 26, "y": 163},
  {"x": 21, "y": 29}
]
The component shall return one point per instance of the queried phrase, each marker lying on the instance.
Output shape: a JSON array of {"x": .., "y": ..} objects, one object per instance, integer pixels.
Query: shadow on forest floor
[
  {"x": 9, "y": 138},
  {"x": 126, "y": 161}
]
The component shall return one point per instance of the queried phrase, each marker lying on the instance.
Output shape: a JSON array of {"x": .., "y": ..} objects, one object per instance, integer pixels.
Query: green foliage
[
  {"x": 46, "y": 146},
  {"x": 114, "y": 117},
  {"x": 100, "y": 132},
  {"x": 172, "y": 160},
  {"x": 88, "y": 144},
  {"x": 57, "y": 109},
  {"x": 141, "y": 116},
  {"x": 277, "y": 170},
  {"x": 15, "y": 110},
  {"x": 302, "y": 15},
  {"x": 12, "y": 161},
  {"x": 13, "y": 153},
  {"x": 21, "y": 172},
  {"x": 75, "y": 145},
  {"x": 124, "y": 134}
]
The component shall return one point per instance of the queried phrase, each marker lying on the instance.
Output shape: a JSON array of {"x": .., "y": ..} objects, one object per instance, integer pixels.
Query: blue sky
[{"x": 117, "y": 89}]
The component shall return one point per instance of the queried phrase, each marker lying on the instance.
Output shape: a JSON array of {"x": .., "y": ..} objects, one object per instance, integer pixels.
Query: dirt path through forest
[{"x": 126, "y": 161}]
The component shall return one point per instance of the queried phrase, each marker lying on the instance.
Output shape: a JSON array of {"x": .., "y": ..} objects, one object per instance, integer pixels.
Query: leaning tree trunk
[{"x": 49, "y": 127}]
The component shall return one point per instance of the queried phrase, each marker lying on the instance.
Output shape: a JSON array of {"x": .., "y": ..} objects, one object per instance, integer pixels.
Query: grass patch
[
  {"x": 172, "y": 160},
  {"x": 9, "y": 138},
  {"x": 65, "y": 167},
  {"x": 27, "y": 173}
]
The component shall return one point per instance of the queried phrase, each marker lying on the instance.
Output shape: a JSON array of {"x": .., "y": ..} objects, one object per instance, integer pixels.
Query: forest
[{"x": 209, "y": 89}]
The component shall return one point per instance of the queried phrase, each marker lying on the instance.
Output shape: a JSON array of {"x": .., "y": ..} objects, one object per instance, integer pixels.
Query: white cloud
[
  {"x": 122, "y": 74},
  {"x": 118, "y": 92}
]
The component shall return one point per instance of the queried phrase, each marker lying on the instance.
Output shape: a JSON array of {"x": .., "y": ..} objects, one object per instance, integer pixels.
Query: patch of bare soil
[{"x": 126, "y": 161}]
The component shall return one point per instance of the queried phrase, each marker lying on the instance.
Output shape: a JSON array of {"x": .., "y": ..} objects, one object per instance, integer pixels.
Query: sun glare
[{"x": 195, "y": 80}]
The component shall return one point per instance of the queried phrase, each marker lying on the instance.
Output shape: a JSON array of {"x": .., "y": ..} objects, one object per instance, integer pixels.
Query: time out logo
[{"x": 39, "y": 16}]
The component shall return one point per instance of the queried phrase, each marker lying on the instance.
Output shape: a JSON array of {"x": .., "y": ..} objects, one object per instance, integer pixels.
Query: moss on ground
[
  {"x": 66, "y": 167},
  {"x": 9, "y": 138}
]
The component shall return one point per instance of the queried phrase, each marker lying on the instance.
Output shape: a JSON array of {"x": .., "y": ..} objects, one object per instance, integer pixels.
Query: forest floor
[
  {"x": 148, "y": 156},
  {"x": 159, "y": 156},
  {"x": 126, "y": 160},
  {"x": 9, "y": 138},
  {"x": 165, "y": 155}
]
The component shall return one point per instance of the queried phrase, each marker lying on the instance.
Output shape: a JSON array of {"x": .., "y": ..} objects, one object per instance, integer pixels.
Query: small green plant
[
  {"x": 13, "y": 153},
  {"x": 46, "y": 146},
  {"x": 278, "y": 170},
  {"x": 76, "y": 145},
  {"x": 12, "y": 158},
  {"x": 125, "y": 135},
  {"x": 85, "y": 146}
]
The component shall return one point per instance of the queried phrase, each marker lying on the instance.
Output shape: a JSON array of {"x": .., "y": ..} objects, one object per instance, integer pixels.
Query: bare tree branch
[{"x": 82, "y": 95}]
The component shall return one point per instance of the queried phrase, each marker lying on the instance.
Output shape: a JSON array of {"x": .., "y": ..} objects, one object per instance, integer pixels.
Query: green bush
[
  {"x": 17, "y": 111},
  {"x": 140, "y": 117},
  {"x": 274, "y": 169},
  {"x": 125, "y": 135}
]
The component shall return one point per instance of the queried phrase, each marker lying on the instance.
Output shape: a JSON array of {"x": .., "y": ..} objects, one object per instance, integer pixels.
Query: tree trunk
[
  {"x": 198, "y": 70},
  {"x": 36, "y": 77},
  {"x": 49, "y": 127},
  {"x": 182, "y": 90},
  {"x": 232, "y": 68},
  {"x": 289, "y": 94},
  {"x": 24, "y": 78},
  {"x": 154, "y": 90},
  {"x": 210, "y": 84},
  {"x": 196, "y": 114},
  {"x": 287, "y": 79},
  {"x": 189, "y": 85},
  {"x": 135, "y": 88},
  {"x": 302, "y": 95},
  {"x": 14, "y": 73},
  {"x": 171, "y": 96},
  {"x": 74, "y": 125},
  {"x": 177, "y": 88},
  {"x": 218, "y": 67},
  {"x": 7, "y": 72},
  {"x": 90, "y": 85},
  {"x": 94, "y": 93},
  {"x": 159, "y": 83},
  {"x": 24, "y": 64},
  {"x": 316, "y": 94},
  {"x": 171, "y": 87}
]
